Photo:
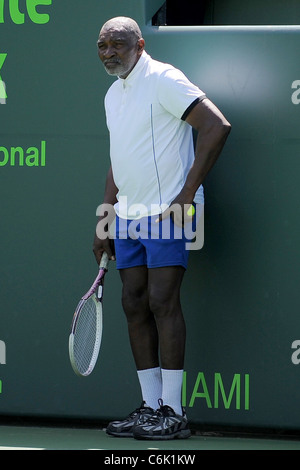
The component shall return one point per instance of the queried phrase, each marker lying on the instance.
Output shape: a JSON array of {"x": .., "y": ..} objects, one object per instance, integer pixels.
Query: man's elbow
[
  {"x": 222, "y": 130},
  {"x": 225, "y": 128}
]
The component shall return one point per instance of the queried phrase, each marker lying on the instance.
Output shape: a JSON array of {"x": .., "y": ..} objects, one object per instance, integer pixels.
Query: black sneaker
[
  {"x": 125, "y": 428},
  {"x": 165, "y": 424}
]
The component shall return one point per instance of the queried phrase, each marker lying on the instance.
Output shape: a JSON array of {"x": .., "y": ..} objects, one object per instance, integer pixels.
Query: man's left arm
[{"x": 212, "y": 131}]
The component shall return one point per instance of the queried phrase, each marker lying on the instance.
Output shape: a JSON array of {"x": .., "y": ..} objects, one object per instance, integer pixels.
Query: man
[{"x": 151, "y": 109}]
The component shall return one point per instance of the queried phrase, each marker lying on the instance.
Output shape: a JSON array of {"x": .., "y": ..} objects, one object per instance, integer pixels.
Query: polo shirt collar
[{"x": 135, "y": 71}]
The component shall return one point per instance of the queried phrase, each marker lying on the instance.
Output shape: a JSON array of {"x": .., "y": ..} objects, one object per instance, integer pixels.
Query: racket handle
[{"x": 104, "y": 261}]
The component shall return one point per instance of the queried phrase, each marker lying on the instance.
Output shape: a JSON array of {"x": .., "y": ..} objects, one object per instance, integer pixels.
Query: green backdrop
[{"x": 240, "y": 294}]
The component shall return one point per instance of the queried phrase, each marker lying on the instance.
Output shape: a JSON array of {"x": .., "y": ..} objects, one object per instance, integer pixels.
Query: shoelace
[
  {"x": 162, "y": 412},
  {"x": 138, "y": 410}
]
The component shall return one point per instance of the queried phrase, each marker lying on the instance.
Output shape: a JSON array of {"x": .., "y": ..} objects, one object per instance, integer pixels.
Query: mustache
[{"x": 111, "y": 61}]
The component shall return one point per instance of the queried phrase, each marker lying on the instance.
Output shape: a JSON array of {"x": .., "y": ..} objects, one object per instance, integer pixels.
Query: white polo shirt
[{"x": 151, "y": 146}]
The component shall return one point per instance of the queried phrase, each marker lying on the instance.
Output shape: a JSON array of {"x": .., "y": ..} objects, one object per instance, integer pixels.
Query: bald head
[{"x": 125, "y": 24}]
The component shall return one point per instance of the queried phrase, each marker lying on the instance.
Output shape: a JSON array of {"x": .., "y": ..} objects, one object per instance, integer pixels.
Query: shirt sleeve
[{"x": 177, "y": 94}]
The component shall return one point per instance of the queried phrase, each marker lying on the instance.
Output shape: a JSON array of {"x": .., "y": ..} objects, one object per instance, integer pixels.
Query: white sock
[
  {"x": 151, "y": 386},
  {"x": 172, "y": 388}
]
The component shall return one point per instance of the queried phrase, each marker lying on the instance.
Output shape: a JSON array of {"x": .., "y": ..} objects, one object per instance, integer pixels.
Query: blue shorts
[{"x": 144, "y": 242}]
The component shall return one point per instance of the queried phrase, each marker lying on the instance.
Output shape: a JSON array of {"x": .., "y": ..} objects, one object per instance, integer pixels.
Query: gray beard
[{"x": 119, "y": 70}]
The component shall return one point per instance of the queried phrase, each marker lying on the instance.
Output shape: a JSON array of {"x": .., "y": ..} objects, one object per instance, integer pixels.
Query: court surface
[{"x": 35, "y": 437}]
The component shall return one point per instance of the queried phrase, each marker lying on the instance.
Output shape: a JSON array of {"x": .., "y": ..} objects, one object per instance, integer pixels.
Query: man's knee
[
  {"x": 164, "y": 290},
  {"x": 134, "y": 302},
  {"x": 162, "y": 303}
]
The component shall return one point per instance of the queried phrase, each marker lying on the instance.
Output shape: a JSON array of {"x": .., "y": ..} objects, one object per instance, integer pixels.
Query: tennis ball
[{"x": 191, "y": 211}]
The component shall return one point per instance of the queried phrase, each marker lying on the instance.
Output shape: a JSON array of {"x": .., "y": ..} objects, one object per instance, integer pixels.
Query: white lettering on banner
[
  {"x": 2, "y": 352},
  {"x": 3, "y": 95},
  {"x": 2, "y": 358}
]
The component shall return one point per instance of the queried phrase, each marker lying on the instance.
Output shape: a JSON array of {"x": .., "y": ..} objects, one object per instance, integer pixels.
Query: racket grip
[{"x": 104, "y": 261}]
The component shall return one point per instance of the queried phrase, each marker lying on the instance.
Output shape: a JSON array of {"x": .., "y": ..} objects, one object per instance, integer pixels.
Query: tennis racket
[{"x": 86, "y": 330}]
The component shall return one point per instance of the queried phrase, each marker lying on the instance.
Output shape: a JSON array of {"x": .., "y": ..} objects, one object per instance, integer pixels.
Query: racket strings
[{"x": 86, "y": 334}]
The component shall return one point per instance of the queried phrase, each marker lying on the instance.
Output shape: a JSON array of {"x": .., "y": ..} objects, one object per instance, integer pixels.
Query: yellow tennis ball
[{"x": 191, "y": 211}]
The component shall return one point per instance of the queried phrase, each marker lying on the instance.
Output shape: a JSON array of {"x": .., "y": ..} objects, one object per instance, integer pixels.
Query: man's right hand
[{"x": 100, "y": 246}]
